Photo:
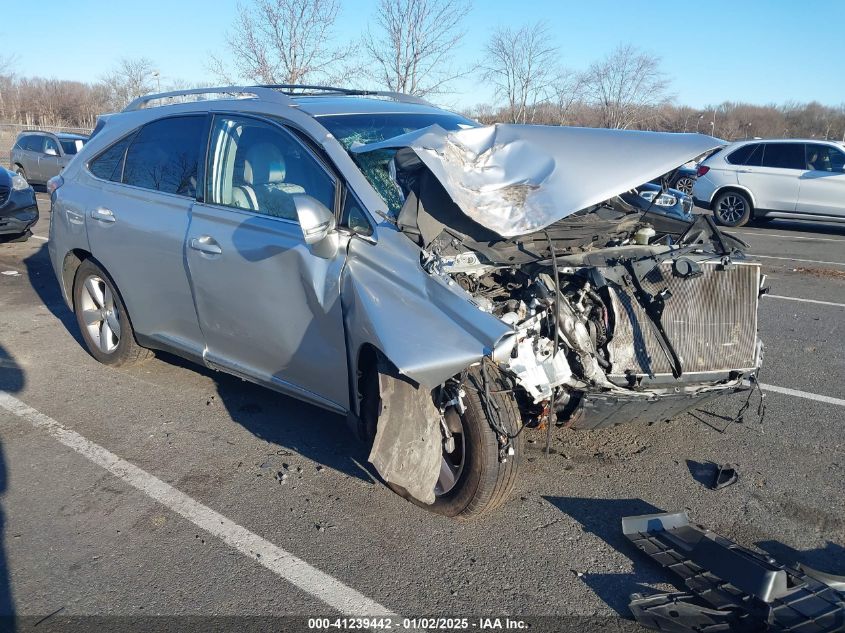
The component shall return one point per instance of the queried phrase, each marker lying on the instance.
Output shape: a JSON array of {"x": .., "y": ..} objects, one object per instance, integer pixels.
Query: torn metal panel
[
  {"x": 738, "y": 582},
  {"x": 407, "y": 447},
  {"x": 515, "y": 179}
]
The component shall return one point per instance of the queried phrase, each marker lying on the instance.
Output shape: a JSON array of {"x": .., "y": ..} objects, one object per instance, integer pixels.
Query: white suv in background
[{"x": 788, "y": 178}]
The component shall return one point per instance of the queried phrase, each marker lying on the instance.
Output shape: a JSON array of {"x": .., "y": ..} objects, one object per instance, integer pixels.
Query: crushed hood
[{"x": 516, "y": 179}]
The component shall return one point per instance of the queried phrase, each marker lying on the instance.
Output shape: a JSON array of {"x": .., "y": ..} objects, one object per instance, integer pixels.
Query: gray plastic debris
[
  {"x": 731, "y": 588},
  {"x": 725, "y": 476}
]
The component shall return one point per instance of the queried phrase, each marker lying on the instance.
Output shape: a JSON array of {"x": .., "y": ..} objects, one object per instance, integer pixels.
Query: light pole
[
  {"x": 156, "y": 74},
  {"x": 697, "y": 123}
]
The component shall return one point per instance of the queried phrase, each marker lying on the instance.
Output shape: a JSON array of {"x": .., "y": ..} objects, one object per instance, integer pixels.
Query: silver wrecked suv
[{"x": 442, "y": 284}]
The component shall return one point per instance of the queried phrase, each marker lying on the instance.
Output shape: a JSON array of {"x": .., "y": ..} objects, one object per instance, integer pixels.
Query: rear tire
[
  {"x": 102, "y": 318},
  {"x": 483, "y": 482},
  {"x": 732, "y": 208},
  {"x": 685, "y": 184}
]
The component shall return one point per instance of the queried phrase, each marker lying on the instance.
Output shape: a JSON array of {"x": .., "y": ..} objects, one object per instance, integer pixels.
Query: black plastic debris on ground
[{"x": 729, "y": 588}]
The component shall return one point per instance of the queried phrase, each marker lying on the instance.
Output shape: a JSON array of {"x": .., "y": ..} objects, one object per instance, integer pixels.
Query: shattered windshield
[{"x": 352, "y": 130}]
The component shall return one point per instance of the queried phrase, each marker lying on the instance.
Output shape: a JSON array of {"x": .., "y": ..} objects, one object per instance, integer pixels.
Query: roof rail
[
  {"x": 304, "y": 90},
  {"x": 259, "y": 92}
]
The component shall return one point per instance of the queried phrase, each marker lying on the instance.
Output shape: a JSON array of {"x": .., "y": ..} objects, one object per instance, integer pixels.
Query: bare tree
[
  {"x": 131, "y": 78},
  {"x": 522, "y": 65},
  {"x": 567, "y": 90},
  {"x": 627, "y": 86},
  {"x": 412, "y": 46},
  {"x": 283, "y": 42}
]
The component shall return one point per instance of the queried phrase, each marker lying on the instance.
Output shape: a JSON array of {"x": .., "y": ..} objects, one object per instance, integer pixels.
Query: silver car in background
[
  {"x": 442, "y": 284},
  {"x": 38, "y": 156},
  {"x": 802, "y": 179}
]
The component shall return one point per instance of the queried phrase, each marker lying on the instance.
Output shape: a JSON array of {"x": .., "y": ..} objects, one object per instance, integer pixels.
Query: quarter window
[
  {"x": 784, "y": 155},
  {"x": 825, "y": 158},
  {"x": 164, "y": 156},
  {"x": 260, "y": 167},
  {"x": 109, "y": 164}
]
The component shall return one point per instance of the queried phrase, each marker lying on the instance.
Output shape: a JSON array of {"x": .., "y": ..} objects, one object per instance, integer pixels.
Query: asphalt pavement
[{"x": 169, "y": 489}]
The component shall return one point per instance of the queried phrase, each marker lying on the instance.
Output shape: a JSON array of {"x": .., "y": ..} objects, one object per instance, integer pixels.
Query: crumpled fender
[{"x": 427, "y": 329}]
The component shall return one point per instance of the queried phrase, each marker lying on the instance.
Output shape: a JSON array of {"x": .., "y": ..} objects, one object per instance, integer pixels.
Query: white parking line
[
  {"x": 803, "y": 394},
  {"x": 794, "y": 259},
  {"x": 295, "y": 570},
  {"x": 824, "y": 303},
  {"x": 788, "y": 237},
  {"x": 38, "y": 237}
]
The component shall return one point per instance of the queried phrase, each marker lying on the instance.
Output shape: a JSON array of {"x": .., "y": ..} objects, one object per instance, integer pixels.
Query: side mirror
[
  {"x": 50, "y": 151},
  {"x": 317, "y": 224}
]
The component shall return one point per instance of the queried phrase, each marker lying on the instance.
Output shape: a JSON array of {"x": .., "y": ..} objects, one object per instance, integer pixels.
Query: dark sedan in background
[{"x": 18, "y": 208}]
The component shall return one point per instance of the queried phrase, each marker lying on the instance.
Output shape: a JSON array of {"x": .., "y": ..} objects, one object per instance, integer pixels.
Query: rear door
[
  {"x": 822, "y": 189},
  {"x": 772, "y": 175},
  {"x": 268, "y": 307},
  {"x": 33, "y": 146},
  {"x": 137, "y": 221}
]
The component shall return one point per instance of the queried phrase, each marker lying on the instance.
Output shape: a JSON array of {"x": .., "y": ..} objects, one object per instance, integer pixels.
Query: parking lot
[{"x": 169, "y": 489}]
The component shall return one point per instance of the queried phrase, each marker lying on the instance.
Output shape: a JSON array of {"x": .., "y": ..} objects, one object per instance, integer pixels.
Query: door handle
[
  {"x": 103, "y": 215},
  {"x": 205, "y": 244}
]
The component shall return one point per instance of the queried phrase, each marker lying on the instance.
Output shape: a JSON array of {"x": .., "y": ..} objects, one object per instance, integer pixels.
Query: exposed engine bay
[
  {"x": 612, "y": 309},
  {"x": 611, "y": 313}
]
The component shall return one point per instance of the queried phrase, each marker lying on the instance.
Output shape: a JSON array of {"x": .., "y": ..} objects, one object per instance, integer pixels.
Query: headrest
[{"x": 264, "y": 164}]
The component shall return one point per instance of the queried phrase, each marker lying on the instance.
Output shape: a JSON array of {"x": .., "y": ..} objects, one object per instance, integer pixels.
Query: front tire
[
  {"x": 473, "y": 480},
  {"x": 732, "y": 208},
  {"x": 102, "y": 318},
  {"x": 20, "y": 171}
]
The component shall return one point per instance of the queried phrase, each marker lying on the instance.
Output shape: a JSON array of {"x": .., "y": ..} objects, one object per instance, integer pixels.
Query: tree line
[{"x": 409, "y": 47}]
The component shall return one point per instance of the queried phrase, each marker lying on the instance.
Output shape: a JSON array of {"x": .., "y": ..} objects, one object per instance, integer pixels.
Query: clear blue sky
[{"x": 713, "y": 50}]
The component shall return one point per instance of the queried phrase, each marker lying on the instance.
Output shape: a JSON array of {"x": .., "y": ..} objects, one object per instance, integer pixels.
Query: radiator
[{"x": 711, "y": 320}]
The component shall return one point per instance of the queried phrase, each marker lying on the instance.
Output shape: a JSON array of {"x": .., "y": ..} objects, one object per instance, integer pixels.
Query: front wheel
[
  {"x": 732, "y": 209},
  {"x": 476, "y": 474},
  {"x": 103, "y": 319}
]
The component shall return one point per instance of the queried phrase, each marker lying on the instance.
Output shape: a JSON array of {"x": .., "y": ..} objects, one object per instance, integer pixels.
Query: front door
[
  {"x": 823, "y": 184},
  {"x": 49, "y": 162},
  {"x": 268, "y": 307},
  {"x": 137, "y": 214}
]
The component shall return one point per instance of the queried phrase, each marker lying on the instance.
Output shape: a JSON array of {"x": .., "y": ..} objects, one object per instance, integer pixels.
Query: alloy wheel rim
[
  {"x": 452, "y": 464},
  {"x": 684, "y": 184},
  {"x": 731, "y": 209},
  {"x": 100, "y": 314}
]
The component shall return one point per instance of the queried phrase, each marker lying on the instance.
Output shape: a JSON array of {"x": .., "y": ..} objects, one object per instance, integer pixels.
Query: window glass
[
  {"x": 784, "y": 155},
  {"x": 33, "y": 143},
  {"x": 164, "y": 156},
  {"x": 825, "y": 158},
  {"x": 109, "y": 164},
  {"x": 260, "y": 167},
  {"x": 741, "y": 155},
  {"x": 71, "y": 146},
  {"x": 354, "y": 217},
  {"x": 50, "y": 144},
  {"x": 360, "y": 129}
]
